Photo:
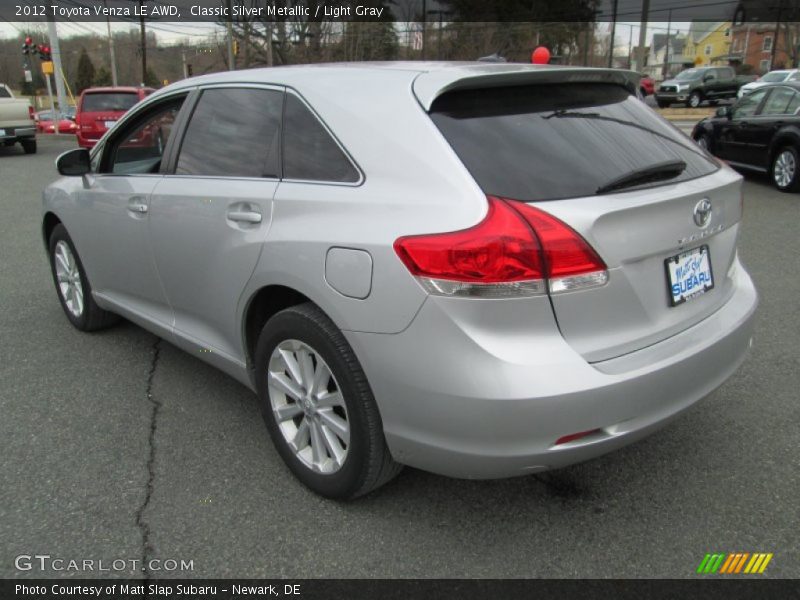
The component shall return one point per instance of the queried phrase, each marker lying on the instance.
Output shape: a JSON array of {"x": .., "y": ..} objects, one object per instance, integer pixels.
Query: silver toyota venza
[{"x": 478, "y": 270}]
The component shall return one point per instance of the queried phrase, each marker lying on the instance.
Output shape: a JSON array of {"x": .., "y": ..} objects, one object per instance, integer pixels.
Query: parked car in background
[
  {"x": 523, "y": 268},
  {"x": 99, "y": 109},
  {"x": 44, "y": 122},
  {"x": 694, "y": 86},
  {"x": 761, "y": 132},
  {"x": 16, "y": 121},
  {"x": 771, "y": 77},
  {"x": 647, "y": 85}
]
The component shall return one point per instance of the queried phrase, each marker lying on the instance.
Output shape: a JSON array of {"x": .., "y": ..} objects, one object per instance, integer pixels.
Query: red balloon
[{"x": 540, "y": 56}]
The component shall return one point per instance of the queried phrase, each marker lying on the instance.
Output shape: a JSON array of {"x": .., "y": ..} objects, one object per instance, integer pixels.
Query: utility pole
[
  {"x": 665, "y": 68},
  {"x": 57, "y": 70},
  {"x": 111, "y": 50},
  {"x": 229, "y": 27},
  {"x": 185, "y": 67},
  {"x": 613, "y": 35},
  {"x": 642, "y": 36},
  {"x": 143, "y": 41},
  {"x": 424, "y": 28},
  {"x": 775, "y": 36}
]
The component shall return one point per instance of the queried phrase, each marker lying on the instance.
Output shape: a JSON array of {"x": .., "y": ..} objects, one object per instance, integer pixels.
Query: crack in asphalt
[{"x": 144, "y": 527}]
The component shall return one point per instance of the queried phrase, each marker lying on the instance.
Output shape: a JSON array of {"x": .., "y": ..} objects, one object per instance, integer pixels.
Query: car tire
[
  {"x": 29, "y": 146},
  {"x": 704, "y": 141},
  {"x": 695, "y": 100},
  {"x": 330, "y": 434},
  {"x": 784, "y": 169},
  {"x": 72, "y": 285},
  {"x": 663, "y": 104}
]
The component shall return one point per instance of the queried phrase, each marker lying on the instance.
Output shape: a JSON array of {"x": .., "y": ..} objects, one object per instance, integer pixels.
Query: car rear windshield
[
  {"x": 4, "y": 93},
  {"x": 546, "y": 142},
  {"x": 108, "y": 101}
]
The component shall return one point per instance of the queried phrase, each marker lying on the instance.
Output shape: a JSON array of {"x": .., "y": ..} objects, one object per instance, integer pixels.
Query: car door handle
[
  {"x": 244, "y": 216},
  {"x": 136, "y": 205}
]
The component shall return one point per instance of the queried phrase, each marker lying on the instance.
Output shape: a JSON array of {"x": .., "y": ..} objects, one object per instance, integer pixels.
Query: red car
[
  {"x": 99, "y": 109},
  {"x": 44, "y": 122},
  {"x": 646, "y": 85}
]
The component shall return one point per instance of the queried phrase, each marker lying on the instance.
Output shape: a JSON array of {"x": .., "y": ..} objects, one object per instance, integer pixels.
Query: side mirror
[
  {"x": 73, "y": 163},
  {"x": 723, "y": 111}
]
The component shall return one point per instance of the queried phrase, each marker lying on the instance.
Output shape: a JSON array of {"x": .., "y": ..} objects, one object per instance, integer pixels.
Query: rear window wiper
[{"x": 657, "y": 172}]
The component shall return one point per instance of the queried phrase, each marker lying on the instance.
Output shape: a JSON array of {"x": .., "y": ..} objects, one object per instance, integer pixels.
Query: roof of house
[
  {"x": 701, "y": 29},
  {"x": 676, "y": 45}
]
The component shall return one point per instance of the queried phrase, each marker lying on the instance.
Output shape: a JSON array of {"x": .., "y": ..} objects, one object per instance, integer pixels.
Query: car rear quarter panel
[{"x": 413, "y": 184}]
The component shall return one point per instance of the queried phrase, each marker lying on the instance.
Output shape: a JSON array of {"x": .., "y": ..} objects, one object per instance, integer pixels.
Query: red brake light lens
[
  {"x": 566, "y": 252},
  {"x": 512, "y": 252},
  {"x": 499, "y": 249}
]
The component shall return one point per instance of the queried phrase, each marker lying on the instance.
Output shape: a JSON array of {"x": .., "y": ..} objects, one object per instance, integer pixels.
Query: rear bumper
[
  {"x": 16, "y": 133},
  {"x": 86, "y": 142},
  {"x": 454, "y": 402}
]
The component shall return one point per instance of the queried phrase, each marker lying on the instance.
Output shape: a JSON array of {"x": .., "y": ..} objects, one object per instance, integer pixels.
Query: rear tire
[
  {"x": 784, "y": 169},
  {"x": 72, "y": 285},
  {"x": 29, "y": 146},
  {"x": 318, "y": 406}
]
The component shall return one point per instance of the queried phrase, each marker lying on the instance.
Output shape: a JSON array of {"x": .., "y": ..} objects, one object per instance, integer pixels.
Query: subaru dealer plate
[
  {"x": 109, "y": 124},
  {"x": 689, "y": 275}
]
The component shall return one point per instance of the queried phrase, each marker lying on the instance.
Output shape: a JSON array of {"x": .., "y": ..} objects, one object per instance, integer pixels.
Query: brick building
[{"x": 752, "y": 43}]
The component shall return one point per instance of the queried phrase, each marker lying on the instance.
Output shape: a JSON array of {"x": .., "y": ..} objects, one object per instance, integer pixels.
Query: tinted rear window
[
  {"x": 547, "y": 142},
  {"x": 102, "y": 102},
  {"x": 4, "y": 93}
]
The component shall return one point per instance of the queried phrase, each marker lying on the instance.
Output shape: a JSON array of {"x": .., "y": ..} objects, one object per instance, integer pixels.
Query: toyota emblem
[{"x": 702, "y": 213}]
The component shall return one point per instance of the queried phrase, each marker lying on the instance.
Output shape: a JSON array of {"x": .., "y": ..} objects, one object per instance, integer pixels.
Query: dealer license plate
[
  {"x": 109, "y": 124},
  {"x": 689, "y": 275},
  {"x": 2, "y": 131}
]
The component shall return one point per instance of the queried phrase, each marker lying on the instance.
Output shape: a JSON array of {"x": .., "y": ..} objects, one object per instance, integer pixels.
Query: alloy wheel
[
  {"x": 69, "y": 278},
  {"x": 308, "y": 406},
  {"x": 784, "y": 170}
]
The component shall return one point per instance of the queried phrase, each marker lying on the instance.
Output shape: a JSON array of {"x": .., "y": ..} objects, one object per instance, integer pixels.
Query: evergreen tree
[
  {"x": 85, "y": 76},
  {"x": 151, "y": 79},
  {"x": 102, "y": 77}
]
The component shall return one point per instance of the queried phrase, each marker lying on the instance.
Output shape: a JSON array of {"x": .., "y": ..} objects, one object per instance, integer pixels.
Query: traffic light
[
  {"x": 189, "y": 70},
  {"x": 44, "y": 52},
  {"x": 27, "y": 47}
]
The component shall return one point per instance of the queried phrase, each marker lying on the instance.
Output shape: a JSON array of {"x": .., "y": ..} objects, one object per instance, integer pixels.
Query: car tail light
[
  {"x": 31, "y": 113},
  {"x": 517, "y": 250}
]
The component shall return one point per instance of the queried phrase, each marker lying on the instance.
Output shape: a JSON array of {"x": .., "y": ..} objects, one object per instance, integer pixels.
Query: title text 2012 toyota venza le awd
[{"x": 478, "y": 270}]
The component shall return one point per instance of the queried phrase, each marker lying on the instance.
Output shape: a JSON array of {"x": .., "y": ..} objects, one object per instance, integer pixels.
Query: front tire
[
  {"x": 784, "y": 169},
  {"x": 318, "y": 406},
  {"x": 704, "y": 141},
  {"x": 663, "y": 104},
  {"x": 695, "y": 100},
  {"x": 72, "y": 285}
]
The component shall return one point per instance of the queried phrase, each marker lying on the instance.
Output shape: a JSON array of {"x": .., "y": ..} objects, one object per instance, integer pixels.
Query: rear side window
[
  {"x": 233, "y": 133},
  {"x": 309, "y": 151},
  {"x": 546, "y": 142},
  {"x": 102, "y": 102},
  {"x": 4, "y": 93}
]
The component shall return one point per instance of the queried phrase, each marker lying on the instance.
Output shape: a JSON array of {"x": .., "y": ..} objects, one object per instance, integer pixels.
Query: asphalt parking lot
[{"x": 117, "y": 446}]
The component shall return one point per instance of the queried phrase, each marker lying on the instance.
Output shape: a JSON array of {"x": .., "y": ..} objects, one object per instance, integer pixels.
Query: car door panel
[
  {"x": 207, "y": 235},
  {"x": 209, "y": 217}
]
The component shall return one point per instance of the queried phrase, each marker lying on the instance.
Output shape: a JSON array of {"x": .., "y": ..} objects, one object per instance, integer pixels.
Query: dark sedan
[{"x": 760, "y": 132}]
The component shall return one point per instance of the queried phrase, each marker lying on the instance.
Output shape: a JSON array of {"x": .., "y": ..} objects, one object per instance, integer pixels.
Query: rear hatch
[
  {"x": 556, "y": 145},
  {"x": 100, "y": 110}
]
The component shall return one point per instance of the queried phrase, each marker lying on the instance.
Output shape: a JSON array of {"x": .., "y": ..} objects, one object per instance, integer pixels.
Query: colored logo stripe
[{"x": 735, "y": 563}]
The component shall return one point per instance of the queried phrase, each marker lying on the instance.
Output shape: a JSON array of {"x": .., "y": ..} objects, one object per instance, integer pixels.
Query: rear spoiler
[{"x": 430, "y": 85}]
